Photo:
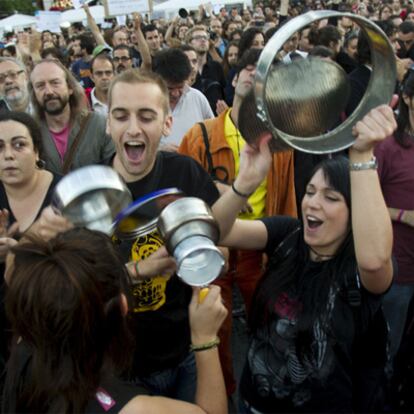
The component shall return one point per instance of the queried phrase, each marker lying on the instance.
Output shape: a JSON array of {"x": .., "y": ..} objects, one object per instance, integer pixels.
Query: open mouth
[
  {"x": 313, "y": 222},
  {"x": 134, "y": 150}
]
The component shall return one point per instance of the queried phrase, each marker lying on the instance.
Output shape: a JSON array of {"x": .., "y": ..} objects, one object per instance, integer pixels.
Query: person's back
[
  {"x": 67, "y": 307},
  {"x": 65, "y": 303}
]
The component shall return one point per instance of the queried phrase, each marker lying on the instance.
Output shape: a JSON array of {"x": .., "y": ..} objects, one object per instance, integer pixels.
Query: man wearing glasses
[
  {"x": 210, "y": 79},
  {"x": 122, "y": 58},
  {"x": 14, "y": 86}
]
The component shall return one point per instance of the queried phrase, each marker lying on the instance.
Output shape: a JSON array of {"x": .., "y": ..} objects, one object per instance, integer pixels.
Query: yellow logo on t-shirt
[{"x": 149, "y": 295}]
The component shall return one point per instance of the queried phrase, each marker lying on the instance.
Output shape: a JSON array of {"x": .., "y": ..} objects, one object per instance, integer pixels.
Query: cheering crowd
[{"x": 320, "y": 247}]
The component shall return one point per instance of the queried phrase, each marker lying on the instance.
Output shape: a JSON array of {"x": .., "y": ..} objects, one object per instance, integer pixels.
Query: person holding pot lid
[{"x": 318, "y": 334}]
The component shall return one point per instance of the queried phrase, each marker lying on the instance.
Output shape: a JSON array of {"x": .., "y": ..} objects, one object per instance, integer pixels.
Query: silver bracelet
[{"x": 361, "y": 166}]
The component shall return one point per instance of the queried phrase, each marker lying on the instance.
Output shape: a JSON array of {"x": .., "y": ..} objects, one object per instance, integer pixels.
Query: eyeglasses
[
  {"x": 11, "y": 74},
  {"x": 121, "y": 59},
  {"x": 200, "y": 37}
]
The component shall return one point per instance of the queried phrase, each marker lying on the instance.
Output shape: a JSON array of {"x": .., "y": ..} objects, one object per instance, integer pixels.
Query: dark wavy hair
[
  {"x": 246, "y": 40},
  {"x": 403, "y": 117},
  {"x": 292, "y": 270},
  {"x": 64, "y": 302},
  {"x": 26, "y": 120}
]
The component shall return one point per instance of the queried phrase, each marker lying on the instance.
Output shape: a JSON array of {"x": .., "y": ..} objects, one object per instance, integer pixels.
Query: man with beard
[
  {"x": 72, "y": 137},
  {"x": 122, "y": 58},
  {"x": 14, "y": 86},
  {"x": 210, "y": 79},
  {"x": 102, "y": 69}
]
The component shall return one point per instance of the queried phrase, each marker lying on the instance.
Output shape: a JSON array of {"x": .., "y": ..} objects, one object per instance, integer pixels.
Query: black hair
[
  {"x": 387, "y": 27},
  {"x": 291, "y": 271},
  {"x": 187, "y": 48},
  {"x": 122, "y": 47},
  {"x": 406, "y": 27},
  {"x": 250, "y": 57},
  {"x": 328, "y": 34},
  {"x": 172, "y": 65},
  {"x": 269, "y": 33},
  {"x": 247, "y": 38},
  {"x": 321, "y": 51},
  {"x": 55, "y": 52},
  {"x": 403, "y": 117},
  {"x": 149, "y": 28},
  {"x": 349, "y": 37},
  {"x": 233, "y": 33},
  {"x": 87, "y": 42},
  {"x": 363, "y": 55},
  {"x": 32, "y": 126}
]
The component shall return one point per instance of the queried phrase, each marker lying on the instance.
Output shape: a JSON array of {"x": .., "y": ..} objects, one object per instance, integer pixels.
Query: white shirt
[
  {"x": 97, "y": 105},
  {"x": 191, "y": 108}
]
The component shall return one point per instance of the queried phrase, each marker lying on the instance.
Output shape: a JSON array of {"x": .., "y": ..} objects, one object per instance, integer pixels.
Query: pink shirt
[{"x": 61, "y": 140}]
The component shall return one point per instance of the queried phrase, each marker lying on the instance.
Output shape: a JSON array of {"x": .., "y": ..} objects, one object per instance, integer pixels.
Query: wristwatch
[{"x": 361, "y": 166}]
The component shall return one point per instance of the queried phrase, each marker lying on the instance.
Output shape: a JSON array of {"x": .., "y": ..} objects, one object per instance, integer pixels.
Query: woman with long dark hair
[
  {"x": 316, "y": 322},
  {"x": 67, "y": 302},
  {"x": 396, "y": 171}
]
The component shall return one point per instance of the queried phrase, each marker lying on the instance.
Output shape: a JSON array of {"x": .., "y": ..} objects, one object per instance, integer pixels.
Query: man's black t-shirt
[
  {"x": 275, "y": 377},
  {"x": 159, "y": 310}
]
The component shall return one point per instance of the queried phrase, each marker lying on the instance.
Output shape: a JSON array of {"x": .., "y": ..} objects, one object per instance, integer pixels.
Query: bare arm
[
  {"x": 93, "y": 26},
  {"x": 142, "y": 43},
  {"x": 402, "y": 216},
  {"x": 170, "y": 31},
  {"x": 371, "y": 223},
  {"x": 205, "y": 321},
  {"x": 254, "y": 165}
]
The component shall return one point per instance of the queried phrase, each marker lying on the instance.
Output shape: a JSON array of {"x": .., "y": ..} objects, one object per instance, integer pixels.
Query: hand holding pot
[{"x": 206, "y": 317}]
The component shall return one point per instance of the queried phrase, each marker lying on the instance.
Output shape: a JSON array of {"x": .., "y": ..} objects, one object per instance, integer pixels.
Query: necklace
[{"x": 321, "y": 257}]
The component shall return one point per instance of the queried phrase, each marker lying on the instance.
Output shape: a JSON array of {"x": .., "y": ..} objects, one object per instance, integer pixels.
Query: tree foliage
[{"x": 8, "y": 7}]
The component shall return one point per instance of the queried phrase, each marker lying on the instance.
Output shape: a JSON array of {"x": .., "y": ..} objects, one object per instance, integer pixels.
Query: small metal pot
[
  {"x": 190, "y": 233},
  {"x": 91, "y": 197}
]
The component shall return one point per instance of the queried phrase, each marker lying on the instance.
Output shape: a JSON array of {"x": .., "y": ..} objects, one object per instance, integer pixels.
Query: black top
[
  {"x": 275, "y": 378},
  {"x": 160, "y": 308},
  {"x": 4, "y": 203},
  {"x": 211, "y": 82},
  {"x": 110, "y": 397}
]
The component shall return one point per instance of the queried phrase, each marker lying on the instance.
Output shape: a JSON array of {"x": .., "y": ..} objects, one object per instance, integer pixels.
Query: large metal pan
[{"x": 297, "y": 107}]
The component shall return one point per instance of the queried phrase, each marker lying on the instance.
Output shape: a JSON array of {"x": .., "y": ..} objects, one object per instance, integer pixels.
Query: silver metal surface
[
  {"x": 269, "y": 95},
  {"x": 183, "y": 211},
  {"x": 141, "y": 217},
  {"x": 91, "y": 196},
  {"x": 190, "y": 233}
]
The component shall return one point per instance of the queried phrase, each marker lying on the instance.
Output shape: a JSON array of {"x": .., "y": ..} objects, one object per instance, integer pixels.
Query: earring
[{"x": 40, "y": 164}]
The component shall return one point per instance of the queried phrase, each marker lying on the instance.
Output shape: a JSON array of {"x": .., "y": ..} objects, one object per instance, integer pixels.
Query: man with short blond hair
[{"x": 139, "y": 115}]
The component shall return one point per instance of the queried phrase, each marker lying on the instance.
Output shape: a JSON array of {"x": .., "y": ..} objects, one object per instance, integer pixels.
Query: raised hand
[
  {"x": 206, "y": 317},
  {"x": 254, "y": 165},
  {"x": 377, "y": 125}
]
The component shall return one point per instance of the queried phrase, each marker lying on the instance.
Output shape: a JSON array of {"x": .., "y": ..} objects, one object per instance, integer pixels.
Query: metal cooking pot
[
  {"x": 190, "y": 233},
  {"x": 140, "y": 217},
  {"x": 297, "y": 102},
  {"x": 91, "y": 197}
]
